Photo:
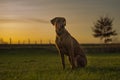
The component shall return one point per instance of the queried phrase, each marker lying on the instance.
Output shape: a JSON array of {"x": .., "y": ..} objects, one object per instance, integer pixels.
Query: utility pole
[
  {"x": 35, "y": 42},
  {"x": 28, "y": 41},
  {"x": 18, "y": 41},
  {"x": 1, "y": 41},
  {"x": 10, "y": 41},
  {"x": 49, "y": 41},
  {"x": 40, "y": 41},
  {"x": 23, "y": 41}
]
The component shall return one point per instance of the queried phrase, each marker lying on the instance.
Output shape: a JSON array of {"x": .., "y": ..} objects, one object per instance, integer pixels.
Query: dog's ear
[
  {"x": 53, "y": 21},
  {"x": 64, "y": 21}
]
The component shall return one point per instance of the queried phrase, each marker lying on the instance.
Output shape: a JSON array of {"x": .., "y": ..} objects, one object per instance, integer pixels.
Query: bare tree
[{"x": 103, "y": 29}]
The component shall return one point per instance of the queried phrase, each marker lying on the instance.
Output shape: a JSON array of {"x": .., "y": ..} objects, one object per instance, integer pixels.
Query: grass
[{"x": 39, "y": 64}]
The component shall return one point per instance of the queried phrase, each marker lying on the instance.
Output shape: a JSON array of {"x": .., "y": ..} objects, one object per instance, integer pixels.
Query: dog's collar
[
  {"x": 59, "y": 33},
  {"x": 62, "y": 33}
]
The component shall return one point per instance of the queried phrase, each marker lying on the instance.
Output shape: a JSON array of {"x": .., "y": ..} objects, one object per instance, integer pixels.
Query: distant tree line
[{"x": 25, "y": 41}]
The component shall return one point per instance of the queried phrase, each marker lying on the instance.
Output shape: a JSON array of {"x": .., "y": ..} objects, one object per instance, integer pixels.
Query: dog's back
[{"x": 79, "y": 54}]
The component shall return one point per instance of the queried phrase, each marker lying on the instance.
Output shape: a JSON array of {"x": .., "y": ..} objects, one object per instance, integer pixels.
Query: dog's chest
[
  {"x": 60, "y": 42},
  {"x": 61, "y": 45}
]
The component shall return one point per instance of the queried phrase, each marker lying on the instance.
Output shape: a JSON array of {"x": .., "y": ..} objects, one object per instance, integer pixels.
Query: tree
[{"x": 103, "y": 29}]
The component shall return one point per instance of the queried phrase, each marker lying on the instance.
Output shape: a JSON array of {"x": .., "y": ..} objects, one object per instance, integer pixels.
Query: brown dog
[{"x": 67, "y": 45}]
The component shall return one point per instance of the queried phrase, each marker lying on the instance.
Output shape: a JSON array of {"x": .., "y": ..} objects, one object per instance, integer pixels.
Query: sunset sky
[{"x": 30, "y": 19}]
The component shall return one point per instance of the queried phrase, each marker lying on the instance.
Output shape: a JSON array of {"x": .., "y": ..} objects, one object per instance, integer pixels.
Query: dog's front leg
[
  {"x": 71, "y": 55},
  {"x": 63, "y": 60}
]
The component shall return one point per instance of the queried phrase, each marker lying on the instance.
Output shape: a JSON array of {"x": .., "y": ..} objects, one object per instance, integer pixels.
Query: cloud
[
  {"x": 37, "y": 20},
  {"x": 12, "y": 20}
]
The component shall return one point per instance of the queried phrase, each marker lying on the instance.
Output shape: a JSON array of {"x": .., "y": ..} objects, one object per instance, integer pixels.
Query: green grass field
[{"x": 38, "y": 64}]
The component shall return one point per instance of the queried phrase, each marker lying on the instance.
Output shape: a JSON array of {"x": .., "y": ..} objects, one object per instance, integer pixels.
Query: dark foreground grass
[{"x": 36, "y": 64}]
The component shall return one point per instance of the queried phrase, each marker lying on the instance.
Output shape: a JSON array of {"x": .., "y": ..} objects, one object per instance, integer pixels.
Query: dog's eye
[{"x": 58, "y": 21}]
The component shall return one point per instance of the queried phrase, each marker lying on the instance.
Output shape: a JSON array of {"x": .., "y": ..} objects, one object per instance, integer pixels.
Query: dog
[{"x": 68, "y": 45}]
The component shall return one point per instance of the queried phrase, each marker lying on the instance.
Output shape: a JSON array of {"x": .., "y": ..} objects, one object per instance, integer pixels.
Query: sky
[{"x": 23, "y": 20}]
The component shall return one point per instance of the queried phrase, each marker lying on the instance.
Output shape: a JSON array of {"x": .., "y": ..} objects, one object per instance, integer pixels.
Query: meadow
[{"x": 41, "y": 64}]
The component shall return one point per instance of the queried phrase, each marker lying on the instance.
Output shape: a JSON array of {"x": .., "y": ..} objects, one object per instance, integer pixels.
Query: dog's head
[{"x": 59, "y": 22}]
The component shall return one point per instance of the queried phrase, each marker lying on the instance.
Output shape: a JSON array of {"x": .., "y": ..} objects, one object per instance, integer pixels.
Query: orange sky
[{"x": 29, "y": 19}]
